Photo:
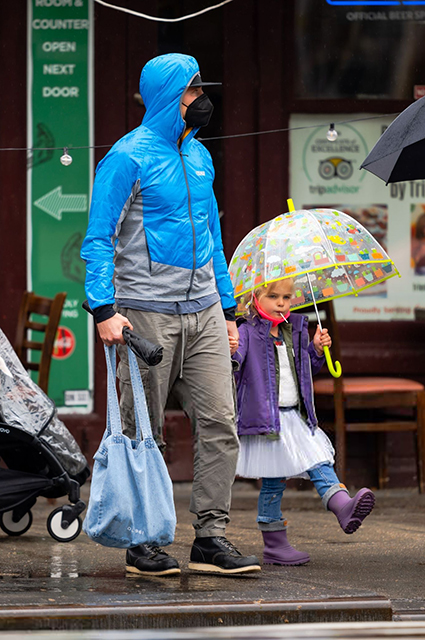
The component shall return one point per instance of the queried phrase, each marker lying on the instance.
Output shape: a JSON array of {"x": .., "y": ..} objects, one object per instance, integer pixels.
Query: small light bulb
[
  {"x": 332, "y": 134},
  {"x": 66, "y": 159}
]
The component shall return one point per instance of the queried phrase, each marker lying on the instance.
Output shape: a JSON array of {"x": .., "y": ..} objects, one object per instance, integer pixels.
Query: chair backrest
[{"x": 52, "y": 309}]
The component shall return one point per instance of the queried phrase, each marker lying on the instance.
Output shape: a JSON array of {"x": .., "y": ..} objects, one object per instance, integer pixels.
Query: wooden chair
[
  {"x": 369, "y": 404},
  {"x": 50, "y": 307}
]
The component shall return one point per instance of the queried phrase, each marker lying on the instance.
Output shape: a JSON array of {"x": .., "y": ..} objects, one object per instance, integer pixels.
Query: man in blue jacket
[{"x": 155, "y": 263}]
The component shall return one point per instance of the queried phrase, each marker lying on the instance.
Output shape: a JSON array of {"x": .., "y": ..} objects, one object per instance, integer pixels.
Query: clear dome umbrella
[{"x": 326, "y": 253}]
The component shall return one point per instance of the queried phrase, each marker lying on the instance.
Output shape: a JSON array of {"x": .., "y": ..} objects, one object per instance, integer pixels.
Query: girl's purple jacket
[{"x": 257, "y": 393}]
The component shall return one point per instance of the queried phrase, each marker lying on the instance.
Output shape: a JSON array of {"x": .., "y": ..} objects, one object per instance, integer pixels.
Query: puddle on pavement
[{"x": 63, "y": 564}]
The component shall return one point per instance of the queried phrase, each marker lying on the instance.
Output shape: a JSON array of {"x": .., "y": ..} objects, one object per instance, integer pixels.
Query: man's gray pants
[{"x": 197, "y": 362}]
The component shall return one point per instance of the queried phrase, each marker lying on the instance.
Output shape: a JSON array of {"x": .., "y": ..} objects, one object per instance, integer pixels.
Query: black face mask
[{"x": 199, "y": 112}]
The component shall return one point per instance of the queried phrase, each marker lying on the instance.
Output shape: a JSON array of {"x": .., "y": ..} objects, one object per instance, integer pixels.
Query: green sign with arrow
[
  {"x": 60, "y": 46},
  {"x": 54, "y": 203}
]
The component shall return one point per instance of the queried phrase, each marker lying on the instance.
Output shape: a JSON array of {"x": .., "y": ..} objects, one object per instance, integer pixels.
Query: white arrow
[{"x": 54, "y": 203}]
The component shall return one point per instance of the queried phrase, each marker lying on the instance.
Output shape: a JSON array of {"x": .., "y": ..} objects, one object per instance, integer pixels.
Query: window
[{"x": 358, "y": 52}]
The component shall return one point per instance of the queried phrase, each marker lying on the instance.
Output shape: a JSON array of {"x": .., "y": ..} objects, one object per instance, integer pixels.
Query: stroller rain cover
[{"x": 25, "y": 406}]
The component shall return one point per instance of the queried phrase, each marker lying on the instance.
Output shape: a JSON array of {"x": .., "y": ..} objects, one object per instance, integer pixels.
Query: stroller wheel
[
  {"x": 15, "y": 528},
  {"x": 54, "y": 527}
]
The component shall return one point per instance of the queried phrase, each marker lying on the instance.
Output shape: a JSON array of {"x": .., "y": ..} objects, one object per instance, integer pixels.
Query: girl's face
[{"x": 276, "y": 301}]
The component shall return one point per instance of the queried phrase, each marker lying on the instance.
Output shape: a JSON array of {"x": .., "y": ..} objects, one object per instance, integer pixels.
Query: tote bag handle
[
  {"x": 141, "y": 413},
  {"x": 113, "y": 422}
]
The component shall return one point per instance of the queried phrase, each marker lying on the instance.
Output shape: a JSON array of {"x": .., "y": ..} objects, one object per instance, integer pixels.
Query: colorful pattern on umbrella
[{"x": 340, "y": 255}]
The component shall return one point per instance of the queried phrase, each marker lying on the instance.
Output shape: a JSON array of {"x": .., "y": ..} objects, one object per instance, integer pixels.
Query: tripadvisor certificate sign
[
  {"x": 326, "y": 174},
  {"x": 60, "y": 40}
]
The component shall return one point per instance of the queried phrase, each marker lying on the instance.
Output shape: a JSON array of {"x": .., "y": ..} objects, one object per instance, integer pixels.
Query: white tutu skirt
[{"x": 291, "y": 455}]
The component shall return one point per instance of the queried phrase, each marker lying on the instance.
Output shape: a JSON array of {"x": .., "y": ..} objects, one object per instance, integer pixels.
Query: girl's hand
[
  {"x": 233, "y": 333},
  {"x": 233, "y": 344},
  {"x": 321, "y": 339}
]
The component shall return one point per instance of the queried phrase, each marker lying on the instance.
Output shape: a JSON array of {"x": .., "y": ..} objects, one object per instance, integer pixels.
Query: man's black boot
[
  {"x": 218, "y": 555},
  {"x": 148, "y": 560}
]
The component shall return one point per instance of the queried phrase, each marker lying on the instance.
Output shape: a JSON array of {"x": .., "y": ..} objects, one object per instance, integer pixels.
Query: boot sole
[
  {"x": 212, "y": 568},
  {"x": 166, "y": 572},
  {"x": 362, "y": 509}
]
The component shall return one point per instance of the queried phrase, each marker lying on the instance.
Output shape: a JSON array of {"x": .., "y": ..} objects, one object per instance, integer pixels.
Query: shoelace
[
  {"x": 226, "y": 543},
  {"x": 155, "y": 550}
]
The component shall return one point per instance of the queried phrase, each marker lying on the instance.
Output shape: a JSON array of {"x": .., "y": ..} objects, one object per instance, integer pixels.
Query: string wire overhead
[
  {"x": 157, "y": 19},
  {"x": 65, "y": 149}
]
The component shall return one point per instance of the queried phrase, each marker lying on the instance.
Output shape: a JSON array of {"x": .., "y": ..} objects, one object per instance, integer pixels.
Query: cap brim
[{"x": 206, "y": 84}]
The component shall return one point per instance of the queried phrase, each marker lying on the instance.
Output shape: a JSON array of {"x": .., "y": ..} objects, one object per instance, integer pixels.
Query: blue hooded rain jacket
[{"x": 154, "y": 231}]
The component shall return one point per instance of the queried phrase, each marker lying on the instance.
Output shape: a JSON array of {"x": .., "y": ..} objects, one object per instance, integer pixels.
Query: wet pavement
[{"x": 376, "y": 574}]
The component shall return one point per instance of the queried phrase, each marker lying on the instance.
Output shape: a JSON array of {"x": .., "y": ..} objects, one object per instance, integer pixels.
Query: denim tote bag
[{"x": 131, "y": 498}]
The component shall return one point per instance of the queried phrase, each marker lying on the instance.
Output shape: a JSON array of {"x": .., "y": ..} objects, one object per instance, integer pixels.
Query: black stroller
[{"x": 41, "y": 455}]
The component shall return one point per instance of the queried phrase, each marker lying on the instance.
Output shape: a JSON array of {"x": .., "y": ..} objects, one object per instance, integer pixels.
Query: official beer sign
[{"x": 377, "y": 3}]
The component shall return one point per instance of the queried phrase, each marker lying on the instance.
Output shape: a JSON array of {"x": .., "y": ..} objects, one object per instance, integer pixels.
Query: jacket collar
[{"x": 296, "y": 319}]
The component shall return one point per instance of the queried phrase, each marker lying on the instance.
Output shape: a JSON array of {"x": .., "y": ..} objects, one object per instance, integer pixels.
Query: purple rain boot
[
  {"x": 351, "y": 511},
  {"x": 277, "y": 550}
]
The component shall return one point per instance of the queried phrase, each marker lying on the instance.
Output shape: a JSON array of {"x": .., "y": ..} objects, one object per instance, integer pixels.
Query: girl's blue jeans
[{"x": 270, "y": 516}]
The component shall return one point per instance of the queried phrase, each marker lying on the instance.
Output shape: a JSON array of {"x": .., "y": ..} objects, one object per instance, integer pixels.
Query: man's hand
[
  {"x": 110, "y": 330},
  {"x": 321, "y": 339},
  {"x": 233, "y": 333}
]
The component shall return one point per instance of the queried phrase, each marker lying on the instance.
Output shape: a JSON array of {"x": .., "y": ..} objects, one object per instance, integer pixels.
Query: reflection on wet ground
[{"x": 385, "y": 558}]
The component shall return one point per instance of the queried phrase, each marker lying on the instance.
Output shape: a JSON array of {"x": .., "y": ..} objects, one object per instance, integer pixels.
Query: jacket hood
[{"x": 162, "y": 83}]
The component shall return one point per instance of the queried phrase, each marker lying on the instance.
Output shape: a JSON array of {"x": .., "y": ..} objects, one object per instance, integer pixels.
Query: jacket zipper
[
  {"x": 312, "y": 391},
  {"x": 294, "y": 371},
  {"x": 193, "y": 226},
  {"x": 270, "y": 390},
  {"x": 149, "y": 254},
  {"x": 310, "y": 381}
]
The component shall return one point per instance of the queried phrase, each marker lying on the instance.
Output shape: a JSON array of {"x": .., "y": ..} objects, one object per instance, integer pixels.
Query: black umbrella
[
  {"x": 399, "y": 153},
  {"x": 143, "y": 348}
]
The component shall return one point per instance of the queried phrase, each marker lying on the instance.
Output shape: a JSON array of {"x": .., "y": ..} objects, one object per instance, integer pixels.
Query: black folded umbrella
[
  {"x": 143, "y": 348},
  {"x": 399, "y": 153}
]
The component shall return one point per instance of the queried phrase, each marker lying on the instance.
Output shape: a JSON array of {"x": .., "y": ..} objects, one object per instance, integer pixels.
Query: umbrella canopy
[
  {"x": 324, "y": 247},
  {"x": 325, "y": 252},
  {"x": 399, "y": 153}
]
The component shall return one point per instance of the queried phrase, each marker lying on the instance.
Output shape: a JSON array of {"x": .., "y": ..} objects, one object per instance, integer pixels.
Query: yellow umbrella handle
[{"x": 334, "y": 370}]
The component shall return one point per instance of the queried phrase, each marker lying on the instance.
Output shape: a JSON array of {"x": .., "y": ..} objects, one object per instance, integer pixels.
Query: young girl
[{"x": 277, "y": 424}]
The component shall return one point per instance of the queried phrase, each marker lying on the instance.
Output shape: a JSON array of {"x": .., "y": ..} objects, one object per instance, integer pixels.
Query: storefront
[{"x": 294, "y": 64}]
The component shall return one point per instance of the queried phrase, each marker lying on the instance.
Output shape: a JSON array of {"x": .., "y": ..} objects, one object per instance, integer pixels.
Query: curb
[
  {"x": 178, "y": 615},
  {"x": 409, "y": 616}
]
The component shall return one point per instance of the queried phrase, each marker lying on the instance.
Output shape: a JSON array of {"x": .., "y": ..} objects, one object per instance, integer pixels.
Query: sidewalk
[{"x": 377, "y": 574}]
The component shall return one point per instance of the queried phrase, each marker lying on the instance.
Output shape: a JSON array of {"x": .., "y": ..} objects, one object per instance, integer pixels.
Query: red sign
[
  {"x": 418, "y": 91},
  {"x": 64, "y": 343}
]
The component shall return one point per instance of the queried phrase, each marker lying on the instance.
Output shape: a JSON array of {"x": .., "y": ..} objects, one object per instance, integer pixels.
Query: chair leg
[
  {"x": 341, "y": 456},
  {"x": 420, "y": 440},
  {"x": 382, "y": 460},
  {"x": 340, "y": 438}
]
